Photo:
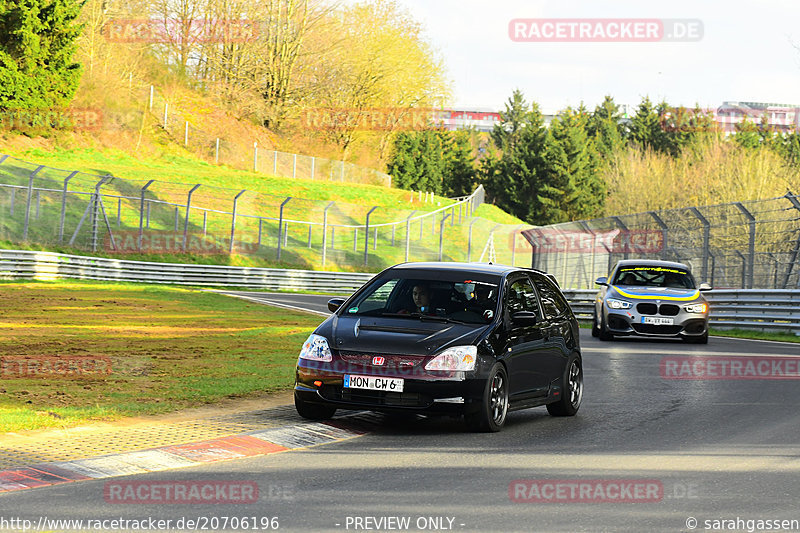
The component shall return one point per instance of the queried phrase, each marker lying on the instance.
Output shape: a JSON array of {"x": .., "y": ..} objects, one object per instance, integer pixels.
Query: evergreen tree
[
  {"x": 605, "y": 129},
  {"x": 37, "y": 42},
  {"x": 459, "y": 174}
]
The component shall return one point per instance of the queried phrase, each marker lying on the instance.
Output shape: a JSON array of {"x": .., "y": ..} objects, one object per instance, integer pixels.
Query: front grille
[
  {"x": 372, "y": 397},
  {"x": 669, "y": 310},
  {"x": 656, "y": 329},
  {"x": 646, "y": 309},
  {"x": 391, "y": 362}
]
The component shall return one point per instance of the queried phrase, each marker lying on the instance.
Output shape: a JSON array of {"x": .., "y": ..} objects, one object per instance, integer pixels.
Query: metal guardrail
[
  {"x": 760, "y": 309},
  {"x": 767, "y": 309},
  {"x": 22, "y": 264}
]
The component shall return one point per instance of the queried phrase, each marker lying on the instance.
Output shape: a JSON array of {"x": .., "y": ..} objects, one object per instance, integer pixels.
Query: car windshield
[
  {"x": 462, "y": 299},
  {"x": 654, "y": 276}
]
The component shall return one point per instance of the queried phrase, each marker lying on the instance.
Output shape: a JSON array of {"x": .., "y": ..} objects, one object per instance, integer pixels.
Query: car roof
[
  {"x": 650, "y": 262},
  {"x": 478, "y": 268}
]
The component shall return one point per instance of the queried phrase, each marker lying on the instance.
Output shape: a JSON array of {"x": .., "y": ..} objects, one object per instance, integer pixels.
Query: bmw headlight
[
  {"x": 618, "y": 304},
  {"x": 316, "y": 349},
  {"x": 455, "y": 358},
  {"x": 696, "y": 308}
]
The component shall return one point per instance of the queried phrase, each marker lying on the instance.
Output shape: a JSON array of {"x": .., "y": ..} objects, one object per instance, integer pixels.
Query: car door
[
  {"x": 524, "y": 342},
  {"x": 557, "y": 329}
]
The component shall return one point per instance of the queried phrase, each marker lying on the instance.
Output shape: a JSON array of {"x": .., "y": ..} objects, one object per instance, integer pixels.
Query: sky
[{"x": 750, "y": 51}]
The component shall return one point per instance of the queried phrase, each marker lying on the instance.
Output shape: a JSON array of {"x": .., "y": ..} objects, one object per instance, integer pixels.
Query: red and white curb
[{"x": 253, "y": 443}]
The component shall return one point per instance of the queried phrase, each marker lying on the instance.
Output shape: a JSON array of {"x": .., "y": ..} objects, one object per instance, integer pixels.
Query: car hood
[
  {"x": 401, "y": 336},
  {"x": 654, "y": 293}
]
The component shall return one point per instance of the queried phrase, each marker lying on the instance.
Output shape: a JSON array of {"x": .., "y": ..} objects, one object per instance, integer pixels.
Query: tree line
[{"x": 569, "y": 169}]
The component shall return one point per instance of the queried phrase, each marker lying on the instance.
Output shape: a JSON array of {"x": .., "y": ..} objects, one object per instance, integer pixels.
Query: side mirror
[
  {"x": 704, "y": 287},
  {"x": 601, "y": 281},
  {"x": 334, "y": 304},
  {"x": 524, "y": 318}
]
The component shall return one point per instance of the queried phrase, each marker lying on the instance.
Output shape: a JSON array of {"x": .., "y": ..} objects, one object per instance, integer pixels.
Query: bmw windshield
[{"x": 654, "y": 276}]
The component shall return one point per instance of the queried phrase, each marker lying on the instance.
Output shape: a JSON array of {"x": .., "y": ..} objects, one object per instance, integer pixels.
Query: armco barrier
[
  {"x": 47, "y": 265},
  {"x": 767, "y": 309}
]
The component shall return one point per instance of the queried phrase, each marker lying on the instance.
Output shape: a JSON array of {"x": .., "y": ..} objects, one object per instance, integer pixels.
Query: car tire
[
  {"x": 313, "y": 411},
  {"x": 571, "y": 389},
  {"x": 595, "y": 325},
  {"x": 603, "y": 333},
  {"x": 702, "y": 339},
  {"x": 490, "y": 411}
]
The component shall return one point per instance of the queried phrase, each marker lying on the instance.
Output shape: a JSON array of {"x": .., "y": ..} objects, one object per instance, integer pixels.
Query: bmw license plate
[
  {"x": 373, "y": 383},
  {"x": 658, "y": 320}
]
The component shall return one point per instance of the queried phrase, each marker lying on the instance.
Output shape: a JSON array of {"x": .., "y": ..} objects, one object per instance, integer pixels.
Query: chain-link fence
[
  {"x": 66, "y": 209},
  {"x": 178, "y": 123},
  {"x": 749, "y": 245}
]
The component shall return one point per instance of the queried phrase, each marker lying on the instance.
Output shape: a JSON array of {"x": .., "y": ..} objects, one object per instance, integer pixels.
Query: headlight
[
  {"x": 618, "y": 304},
  {"x": 455, "y": 358},
  {"x": 316, "y": 349},
  {"x": 696, "y": 308}
]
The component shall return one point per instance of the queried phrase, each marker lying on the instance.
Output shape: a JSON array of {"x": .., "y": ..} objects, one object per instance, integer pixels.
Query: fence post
[
  {"x": 11, "y": 204},
  {"x": 186, "y": 134},
  {"x": 664, "y": 234},
  {"x": 796, "y": 204},
  {"x": 205, "y": 221},
  {"x": 294, "y": 166},
  {"x": 309, "y": 235},
  {"x": 751, "y": 247},
  {"x": 97, "y": 205},
  {"x": 255, "y": 157},
  {"x": 260, "y": 229},
  {"x": 325, "y": 231},
  {"x": 355, "y": 239},
  {"x": 233, "y": 219},
  {"x": 280, "y": 225},
  {"x": 394, "y": 227},
  {"x": 166, "y": 106},
  {"x": 150, "y": 105},
  {"x": 141, "y": 214},
  {"x": 706, "y": 239},
  {"x": 63, "y": 206},
  {"x": 366, "y": 235},
  {"x": 275, "y": 163},
  {"x": 469, "y": 240},
  {"x": 744, "y": 268},
  {"x": 38, "y": 202},
  {"x": 186, "y": 220},
  {"x": 28, "y": 205},
  {"x": 514, "y": 243},
  {"x": 119, "y": 212},
  {"x": 441, "y": 234},
  {"x": 216, "y": 152},
  {"x": 313, "y": 164},
  {"x": 624, "y": 228},
  {"x": 177, "y": 216},
  {"x": 408, "y": 235}
]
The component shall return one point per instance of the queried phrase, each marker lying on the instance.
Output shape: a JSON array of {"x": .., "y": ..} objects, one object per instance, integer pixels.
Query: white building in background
[{"x": 781, "y": 117}]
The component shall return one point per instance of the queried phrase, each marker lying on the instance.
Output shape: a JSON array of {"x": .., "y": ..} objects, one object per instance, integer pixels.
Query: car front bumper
[
  {"x": 633, "y": 322},
  {"x": 424, "y": 392}
]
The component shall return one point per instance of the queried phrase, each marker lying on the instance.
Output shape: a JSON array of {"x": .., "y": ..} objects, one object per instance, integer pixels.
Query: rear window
[{"x": 653, "y": 276}]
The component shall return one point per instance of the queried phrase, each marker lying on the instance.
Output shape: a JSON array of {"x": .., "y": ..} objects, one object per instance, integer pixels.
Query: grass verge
[
  {"x": 752, "y": 334},
  {"x": 167, "y": 348}
]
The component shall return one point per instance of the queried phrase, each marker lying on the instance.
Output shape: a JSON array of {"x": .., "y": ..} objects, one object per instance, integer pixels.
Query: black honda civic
[{"x": 469, "y": 339}]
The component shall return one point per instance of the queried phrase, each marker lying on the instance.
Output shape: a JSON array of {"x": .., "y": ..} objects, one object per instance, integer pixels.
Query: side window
[
  {"x": 552, "y": 300},
  {"x": 522, "y": 297}
]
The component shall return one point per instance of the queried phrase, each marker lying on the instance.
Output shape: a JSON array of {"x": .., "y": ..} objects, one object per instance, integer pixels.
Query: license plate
[
  {"x": 657, "y": 320},
  {"x": 373, "y": 383}
]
